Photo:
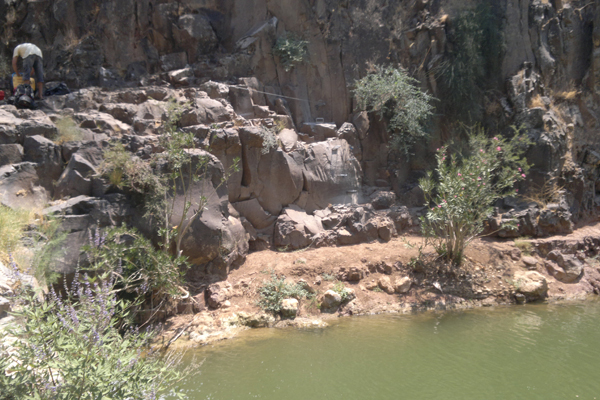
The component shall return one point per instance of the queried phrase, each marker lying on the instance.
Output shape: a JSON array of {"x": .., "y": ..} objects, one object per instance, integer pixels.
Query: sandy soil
[{"x": 484, "y": 279}]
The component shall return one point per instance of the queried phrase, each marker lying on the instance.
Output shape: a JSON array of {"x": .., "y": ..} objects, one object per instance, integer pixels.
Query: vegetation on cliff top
[
  {"x": 291, "y": 50},
  {"x": 395, "y": 97}
]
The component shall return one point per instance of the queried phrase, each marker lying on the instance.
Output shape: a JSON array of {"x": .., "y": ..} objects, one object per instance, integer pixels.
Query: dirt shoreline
[{"x": 488, "y": 277}]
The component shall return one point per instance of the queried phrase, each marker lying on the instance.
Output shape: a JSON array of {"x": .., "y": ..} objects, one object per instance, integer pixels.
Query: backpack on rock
[{"x": 23, "y": 97}]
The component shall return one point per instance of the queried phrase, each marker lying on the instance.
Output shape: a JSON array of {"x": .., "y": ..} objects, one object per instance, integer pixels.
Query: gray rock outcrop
[{"x": 564, "y": 267}]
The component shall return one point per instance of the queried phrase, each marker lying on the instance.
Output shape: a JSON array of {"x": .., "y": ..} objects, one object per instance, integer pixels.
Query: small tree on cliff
[
  {"x": 461, "y": 193},
  {"x": 395, "y": 97},
  {"x": 165, "y": 184},
  {"x": 165, "y": 176}
]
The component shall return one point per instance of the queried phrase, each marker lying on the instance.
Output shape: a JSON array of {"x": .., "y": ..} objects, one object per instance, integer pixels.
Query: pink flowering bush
[{"x": 460, "y": 194}]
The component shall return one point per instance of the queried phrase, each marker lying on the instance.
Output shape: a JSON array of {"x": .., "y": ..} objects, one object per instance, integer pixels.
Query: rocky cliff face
[{"x": 543, "y": 75}]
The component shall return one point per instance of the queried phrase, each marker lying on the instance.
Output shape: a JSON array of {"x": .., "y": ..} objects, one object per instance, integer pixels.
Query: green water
[{"x": 527, "y": 352}]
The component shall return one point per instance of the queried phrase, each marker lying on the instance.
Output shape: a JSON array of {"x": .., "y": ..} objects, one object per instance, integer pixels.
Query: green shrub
[
  {"x": 48, "y": 249},
  {"x": 275, "y": 290},
  {"x": 341, "y": 289},
  {"x": 124, "y": 171},
  {"x": 327, "y": 277},
  {"x": 395, "y": 97},
  {"x": 136, "y": 264},
  {"x": 269, "y": 140},
  {"x": 464, "y": 188},
  {"x": 81, "y": 347},
  {"x": 291, "y": 50}
]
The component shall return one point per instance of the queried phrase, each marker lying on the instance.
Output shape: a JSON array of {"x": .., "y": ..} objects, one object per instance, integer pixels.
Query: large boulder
[
  {"x": 271, "y": 175},
  {"x": 311, "y": 177},
  {"x": 349, "y": 133},
  {"x": 569, "y": 267},
  {"x": 204, "y": 111},
  {"x": 149, "y": 117},
  {"x": 355, "y": 273},
  {"x": 555, "y": 221},
  {"x": 10, "y": 154},
  {"x": 217, "y": 294},
  {"x": 226, "y": 145},
  {"x": 385, "y": 284},
  {"x": 288, "y": 139},
  {"x": 19, "y": 186},
  {"x": 111, "y": 210},
  {"x": 402, "y": 285},
  {"x": 331, "y": 175},
  {"x": 289, "y": 308},
  {"x": 214, "y": 238},
  {"x": 8, "y": 130},
  {"x": 318, "y": 131},
  {"x": 80, "y": 218},
  {"x": 254, "y": 213},
  {"x": 15, "y": 125},
  {"x": 295, "y": 229},
  {"x": 215, "y": 90},
  {"x": 181, "y": 77},
  {"x": 385, "y": 229},
  {"x": 77, "y": 178},
  {"x": 531, "y": 284},
  {"x": 101, "y": 122},
  {"x": 124, "y": 112},
  {"x": 195, "y": 34},
  {"x": 8, "y": 133},
  {"x": 383, "y": 200},
  {"x": 330, "y": 300},
  {"x": 37, "y": 123},
  {"x": 47, "y": 155}
]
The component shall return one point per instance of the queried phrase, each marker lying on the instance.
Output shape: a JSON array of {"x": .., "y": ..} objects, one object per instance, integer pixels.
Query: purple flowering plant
[
  {"x": 460, "y": 194},
  {"x": 80, "y": 345}
]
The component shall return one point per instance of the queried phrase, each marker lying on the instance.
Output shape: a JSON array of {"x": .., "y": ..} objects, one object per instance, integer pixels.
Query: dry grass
[
  {"x": 537, "y": 102},
  {"x": 492, "y": 106},
  {"x": 11, "y": 16},
  {"x": 12, "y": 225},
  {"x": 68, "y": 131},
  {"x": 524, "y": 245},
  {"x": 566, "y": 95},
  {"x": 542, "y": 195}
]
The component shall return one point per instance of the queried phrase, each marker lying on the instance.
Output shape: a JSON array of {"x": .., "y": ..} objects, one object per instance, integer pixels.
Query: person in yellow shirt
[{"x": 32, "y": 59}]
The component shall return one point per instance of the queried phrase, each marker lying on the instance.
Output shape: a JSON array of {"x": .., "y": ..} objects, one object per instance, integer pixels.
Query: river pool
[{"x": 520, "y": 352}]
